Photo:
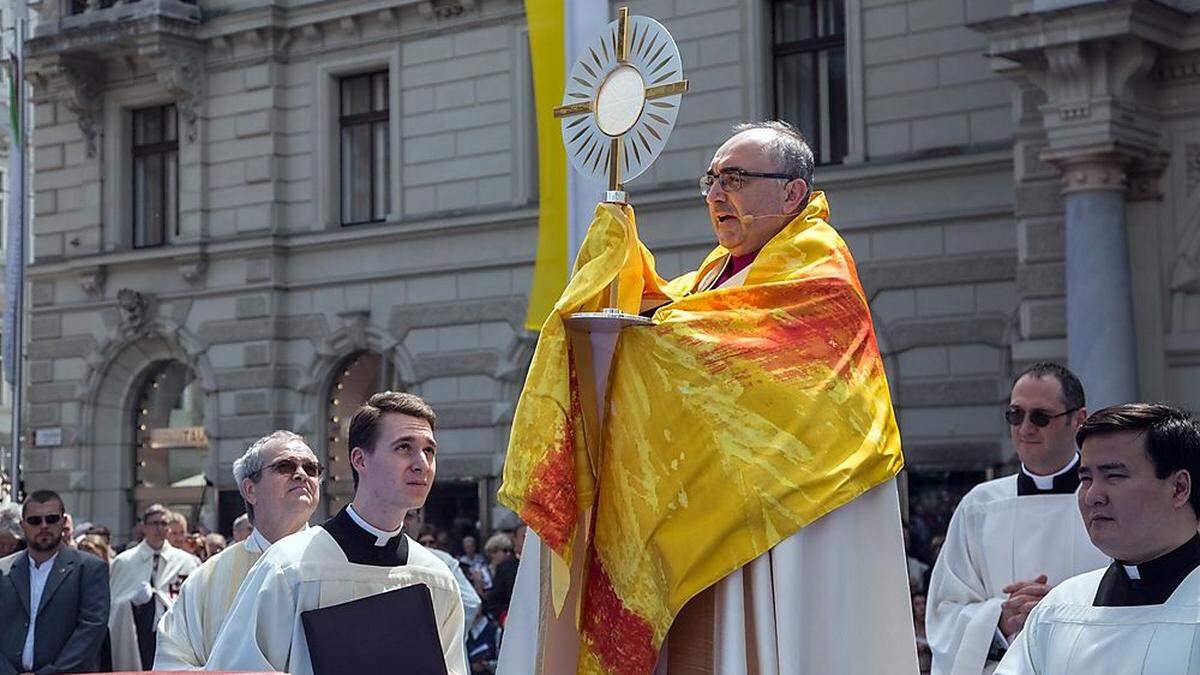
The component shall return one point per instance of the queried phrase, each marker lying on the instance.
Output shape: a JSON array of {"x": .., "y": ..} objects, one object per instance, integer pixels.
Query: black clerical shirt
[
  {"x": 1158, "y": 578},
  {"x": 359, "y": 545}
]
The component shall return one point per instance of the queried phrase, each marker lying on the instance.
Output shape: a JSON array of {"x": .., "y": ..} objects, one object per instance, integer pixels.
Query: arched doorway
[
  {"x": 354, "y": 381},
  {"x": 171, "y": 448}
]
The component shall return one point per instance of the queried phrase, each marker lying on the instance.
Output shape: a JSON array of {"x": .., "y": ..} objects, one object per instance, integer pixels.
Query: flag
[
  {"x": 14, "y": 270},
  {"x": 557, "y": 32}
]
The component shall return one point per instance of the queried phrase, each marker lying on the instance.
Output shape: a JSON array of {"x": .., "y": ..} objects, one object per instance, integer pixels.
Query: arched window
[{"x": 170, "y": 443}]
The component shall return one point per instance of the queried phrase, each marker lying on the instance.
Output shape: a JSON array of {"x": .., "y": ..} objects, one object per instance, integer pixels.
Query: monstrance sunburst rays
[{"x": 622, "y": 99}]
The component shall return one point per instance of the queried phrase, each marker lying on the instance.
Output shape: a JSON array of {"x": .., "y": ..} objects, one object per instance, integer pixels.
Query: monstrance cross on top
[{"x": 621, "y": 101}]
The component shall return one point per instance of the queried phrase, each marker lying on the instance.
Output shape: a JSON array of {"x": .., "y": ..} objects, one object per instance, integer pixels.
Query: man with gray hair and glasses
[{"x": 279, "y": 478}]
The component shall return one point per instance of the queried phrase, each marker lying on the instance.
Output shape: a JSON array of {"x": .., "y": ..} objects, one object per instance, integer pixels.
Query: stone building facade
[{"x": 196, "y": 283}]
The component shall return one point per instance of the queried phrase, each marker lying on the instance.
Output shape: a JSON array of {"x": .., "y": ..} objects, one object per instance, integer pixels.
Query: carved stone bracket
[
  {"x": 85, "y": 98},
  {"x": 92, "y": 281},
  {"x": 180, "y": 72},
  {"x": 192, "y": 268}
]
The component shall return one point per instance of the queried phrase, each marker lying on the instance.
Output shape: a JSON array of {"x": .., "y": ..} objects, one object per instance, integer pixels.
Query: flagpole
[{"x": 15, "y": 257}]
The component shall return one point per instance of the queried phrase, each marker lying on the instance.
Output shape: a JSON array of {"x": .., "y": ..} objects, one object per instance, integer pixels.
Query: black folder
[{"x": 393, "y": 632}]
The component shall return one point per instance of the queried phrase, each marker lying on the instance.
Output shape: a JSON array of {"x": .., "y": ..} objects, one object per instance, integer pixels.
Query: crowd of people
[
  {"x": 131, "y": 599},
  {"x": 149, "y": 602}
]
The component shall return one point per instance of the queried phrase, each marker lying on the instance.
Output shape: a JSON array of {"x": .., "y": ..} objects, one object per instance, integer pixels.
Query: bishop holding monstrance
[{"x": 730, "y": 505}]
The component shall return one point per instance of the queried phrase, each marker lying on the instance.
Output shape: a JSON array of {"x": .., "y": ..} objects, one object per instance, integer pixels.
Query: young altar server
[
  {"x": 1141, "y": 614},
  {"x": 278, "y": 477},
  {"x": 358, "y": 555},
  {"x": 1012, "y": 538},
  {"x": 144, "y": 582}
]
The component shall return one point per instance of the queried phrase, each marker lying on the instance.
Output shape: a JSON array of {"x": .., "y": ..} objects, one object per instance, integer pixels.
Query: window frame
[
  {"x": 369, "y": 119},
  {"x": 816, "y": 46},
  {"x": 160, "y": 148}
]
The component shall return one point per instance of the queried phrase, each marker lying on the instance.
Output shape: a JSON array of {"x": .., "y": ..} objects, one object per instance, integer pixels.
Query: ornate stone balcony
[
  {"x": 81, "y": 45},
  {"x": 102, "y": 26}
]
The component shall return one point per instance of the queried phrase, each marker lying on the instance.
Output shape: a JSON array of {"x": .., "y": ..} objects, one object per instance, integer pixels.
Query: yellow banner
[{"x": 547, "y": 52}]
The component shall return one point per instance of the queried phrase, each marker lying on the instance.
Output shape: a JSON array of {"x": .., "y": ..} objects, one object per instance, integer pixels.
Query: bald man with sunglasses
[
  {"x": 1012, "y": 539},
  {"x": 279, "y": 478}
]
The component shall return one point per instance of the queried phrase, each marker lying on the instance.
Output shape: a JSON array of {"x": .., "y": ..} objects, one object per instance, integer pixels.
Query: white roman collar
[
  {"x": 381, "y": 536},
  {"x": 1047, "y": 482},
  {"x": 1132, "y": 571}
]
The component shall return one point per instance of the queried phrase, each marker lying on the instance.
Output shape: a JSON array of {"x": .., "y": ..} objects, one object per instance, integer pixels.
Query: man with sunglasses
[
  {"x": 350, "y": 560},
  {"x": 279, "y": 478},
  {"x": 53, "y": 599},
  {"x": 145, "y": 581},
  {"x": 1013, "y": 538}
]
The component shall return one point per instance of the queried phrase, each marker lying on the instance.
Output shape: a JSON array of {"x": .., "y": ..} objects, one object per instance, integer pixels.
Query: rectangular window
[
  {"x": 365, "y": 158},
  {"x": 809, "y": 49},
  {"x": 155, "y": 175}
]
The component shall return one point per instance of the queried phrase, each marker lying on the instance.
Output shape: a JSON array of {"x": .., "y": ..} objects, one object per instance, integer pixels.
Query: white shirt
[{"x": 37, "y": 583}]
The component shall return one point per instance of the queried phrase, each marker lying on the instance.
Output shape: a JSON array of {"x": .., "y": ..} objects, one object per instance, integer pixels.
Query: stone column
[{"x": 1101, "y": 348}]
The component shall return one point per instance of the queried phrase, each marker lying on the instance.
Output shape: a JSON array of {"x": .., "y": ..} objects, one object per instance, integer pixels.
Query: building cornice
[{"x": 1015, "y": 37}]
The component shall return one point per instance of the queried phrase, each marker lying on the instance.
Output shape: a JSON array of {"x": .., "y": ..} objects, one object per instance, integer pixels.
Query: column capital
[
  {"x": 1134, "y": 173},
  {"x": 1090, "y": 171},
  {"x": 1093, "y": 61}
]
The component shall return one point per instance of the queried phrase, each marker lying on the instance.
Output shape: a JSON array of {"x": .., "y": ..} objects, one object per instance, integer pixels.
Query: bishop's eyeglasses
[{"x": 732, "y": 180}]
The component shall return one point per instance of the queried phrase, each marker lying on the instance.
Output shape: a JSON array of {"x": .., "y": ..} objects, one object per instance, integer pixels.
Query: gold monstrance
[
  {"x": 621, "y": 101},
  {"x": 620, "y": 105}
]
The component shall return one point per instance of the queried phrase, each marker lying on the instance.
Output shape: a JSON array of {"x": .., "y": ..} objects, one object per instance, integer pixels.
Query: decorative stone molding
[
  {"x": 192, "y": 268},
  {"x": 1094, "y": 62},
  {"x": 182, "y": 75},
  {"x": 134, "y": 310},
  {"x": 92, "y": 281},
  {"x": 85, "y": 98},
  {"x": 445, "y": 9},
  {"x": 1143, "y": 178},
  {"x": 1091, "y": 171},
  {"x": 1191, "y": 154}
]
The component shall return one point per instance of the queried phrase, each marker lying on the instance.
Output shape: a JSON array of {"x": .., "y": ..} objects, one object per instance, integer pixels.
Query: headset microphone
[{"x": 750, "y": 217}]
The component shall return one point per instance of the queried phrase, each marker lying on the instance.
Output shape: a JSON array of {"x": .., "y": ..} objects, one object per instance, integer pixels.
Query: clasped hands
[{"x": 1023, "y": 596}]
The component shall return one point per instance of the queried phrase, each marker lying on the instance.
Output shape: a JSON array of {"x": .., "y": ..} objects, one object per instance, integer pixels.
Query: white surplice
[
  {"x": 831, "y": 598},
  {"x": 996, "y": 538},
  {"x": 127, "y": 573},
  {"x": 308, "y": 570},
  {"x": 1066, "y": 635},
  {"x": 188, "y": 630}
]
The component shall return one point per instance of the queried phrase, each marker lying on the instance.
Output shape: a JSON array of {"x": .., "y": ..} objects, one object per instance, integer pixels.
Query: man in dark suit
[{"x": 53, "y": 598}]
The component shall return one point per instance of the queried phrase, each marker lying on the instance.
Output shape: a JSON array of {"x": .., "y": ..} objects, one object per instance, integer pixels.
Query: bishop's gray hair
[
  {"x": 250, "y": 464},
  {"x": 788, "y": 149}
]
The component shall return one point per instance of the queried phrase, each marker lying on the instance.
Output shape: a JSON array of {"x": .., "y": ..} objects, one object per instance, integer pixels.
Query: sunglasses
[
  {"x": 1015, "y": 415},
  {"x": 287, "y": 467},
  {"x": 36, "y": 521}
]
